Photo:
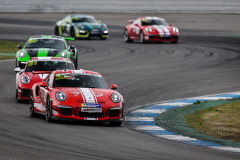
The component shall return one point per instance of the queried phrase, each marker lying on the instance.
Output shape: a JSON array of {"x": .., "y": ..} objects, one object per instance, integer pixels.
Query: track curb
[{"x": 144, "y": 120}]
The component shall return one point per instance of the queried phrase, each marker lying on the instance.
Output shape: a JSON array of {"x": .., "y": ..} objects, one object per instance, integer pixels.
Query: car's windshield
[
  {"x": 79, "y": 80},
  {"x": 146, "y": 22},
  {"x": 45, "y": 43},
  {"x": 48, "y": 65},
  {"x": 84, "y": 19}
]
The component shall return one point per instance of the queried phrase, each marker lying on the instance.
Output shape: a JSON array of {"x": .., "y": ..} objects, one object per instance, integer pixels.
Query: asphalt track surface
[{"x": 205, "y": 61}]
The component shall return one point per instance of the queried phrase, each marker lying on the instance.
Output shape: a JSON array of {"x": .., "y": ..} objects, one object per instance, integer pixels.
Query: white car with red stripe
[
  {"x": 25, "y": 78},
  {"x": 147, "y": 29},
  {"x": 76, "y": 94}
]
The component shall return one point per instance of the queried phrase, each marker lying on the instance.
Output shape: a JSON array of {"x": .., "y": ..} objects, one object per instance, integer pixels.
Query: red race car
[
  {"x": 25, "y": 78},
  {"x": 150, "y": 29},
  {"x": 78, "y": 95}
]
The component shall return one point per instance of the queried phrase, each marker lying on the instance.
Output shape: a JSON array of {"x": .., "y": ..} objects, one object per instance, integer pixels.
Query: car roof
[
  {"x": 81, "y": 15},
  {"x": 50, "y": 58},
  {"x": 150, "y": 18},
  {"x": 46, "y": 36},
  {"x": 81, "y": 71}
]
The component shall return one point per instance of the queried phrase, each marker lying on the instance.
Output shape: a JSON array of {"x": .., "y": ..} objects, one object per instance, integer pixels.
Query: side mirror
[
  {"x": 18, "y": 69},
  {"x": 136, "y": 24},
  {"x": 99, "y": 21},
  {"x": 43, "y": 84},
  {"x": 72, "y": 47},
  {"x": 170, "y": 24},
  {"x": 19, "y": 46},
  {"x": 113, "y": 86}
]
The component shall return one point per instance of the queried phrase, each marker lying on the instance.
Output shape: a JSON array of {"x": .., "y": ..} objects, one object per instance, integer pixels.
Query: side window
[
  {"x": 47, "y": 81},
  {"x": 135, "y": 22}
]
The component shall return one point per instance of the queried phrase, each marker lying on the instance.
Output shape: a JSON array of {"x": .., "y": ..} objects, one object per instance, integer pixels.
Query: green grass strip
[{"x": 174, "y": 121}]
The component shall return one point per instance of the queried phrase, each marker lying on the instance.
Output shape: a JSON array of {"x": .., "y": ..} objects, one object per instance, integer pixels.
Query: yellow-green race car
[
  {"x": 46, "y": 46},
  {"x": 81, "y": 26}
]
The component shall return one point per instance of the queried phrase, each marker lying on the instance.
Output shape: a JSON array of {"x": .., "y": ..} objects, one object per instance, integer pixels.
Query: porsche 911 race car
[
  {"x": 81, "y": 26},
  {"x": 25, "y": 78},
  {"x": 150, "y": 29},
  {"x": 46, "y": 46},
  {"x": 76, "y": 94}
]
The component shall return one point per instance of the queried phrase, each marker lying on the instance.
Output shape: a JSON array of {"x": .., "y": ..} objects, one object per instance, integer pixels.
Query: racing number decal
[
  {"x": 58, "y": 77},
  {"x": 136, "y": 30},
  {"x": 32, "y": 63},
  {"x": 32, "y": 41}
]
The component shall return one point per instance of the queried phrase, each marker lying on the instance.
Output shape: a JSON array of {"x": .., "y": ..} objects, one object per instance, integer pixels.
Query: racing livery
[
  {"x": 76, "y": 94},
  {"x": 26, "y": 77},
  {"x": 46, "y": 46},
  {"x": 150, "y": 29},
  {"x": 81, "y": 26}
]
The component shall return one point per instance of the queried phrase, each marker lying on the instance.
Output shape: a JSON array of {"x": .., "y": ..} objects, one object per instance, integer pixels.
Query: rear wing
[
  {"x": 41, "y": 72},
  {"x": 130, "y": 21}
]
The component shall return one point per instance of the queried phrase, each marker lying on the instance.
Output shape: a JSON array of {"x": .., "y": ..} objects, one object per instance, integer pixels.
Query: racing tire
[
  {"x": 72, "y": 33},
  {"x": 126, "y": 36},
  {"x": 17, "y": 98},
  {"x": 141, "y": 37},
  {"x": 174, "y": 42},
  {"x": 48, "y": 114},
  {"x": 31, "y": 106},
  {"x": 115, "y": 123},
  {"x": 56, "y": 31}
]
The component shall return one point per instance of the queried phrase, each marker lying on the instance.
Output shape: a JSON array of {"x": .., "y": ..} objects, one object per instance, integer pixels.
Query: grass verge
[
  {"x": 222, "y": 121},
  {"x": 8, "y": 47}
]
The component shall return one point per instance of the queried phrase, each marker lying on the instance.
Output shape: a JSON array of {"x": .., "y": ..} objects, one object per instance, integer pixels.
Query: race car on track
[
  {"x": 76, "y": 94},
  {"x": 150, "y": 29},
  {"x": 46, "y": 46},
  {"x": 81, "y": 26},
  {"x": 25, "y": 78}
]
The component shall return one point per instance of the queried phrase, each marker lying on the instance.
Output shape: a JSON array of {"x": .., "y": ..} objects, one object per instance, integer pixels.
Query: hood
[
  {"x": 87, "y": 95},
  {"x": 90, "y": 26},
  {"x": 43, "y": 52},
  {"x": 163, "y": 30}
]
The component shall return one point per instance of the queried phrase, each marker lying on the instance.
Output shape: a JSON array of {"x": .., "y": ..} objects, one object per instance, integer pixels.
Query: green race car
[
  {"x": 81, "y": 26},
  {"x": 46, "y": 46}
]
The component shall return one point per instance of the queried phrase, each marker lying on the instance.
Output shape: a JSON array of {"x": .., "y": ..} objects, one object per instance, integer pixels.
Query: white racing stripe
[
  {"x": 89, "y": 97},
  {"x": 163, "y": 30}
]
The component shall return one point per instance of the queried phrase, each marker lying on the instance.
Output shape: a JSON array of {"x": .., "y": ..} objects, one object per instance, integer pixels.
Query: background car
[
  {"x": 26, "y": 77},
  {"x": 79, "y": 95},
  {"x": 46, "y": 46},
  {"x": 81, "y": 26},
  {"x": 150, "y": 29}
]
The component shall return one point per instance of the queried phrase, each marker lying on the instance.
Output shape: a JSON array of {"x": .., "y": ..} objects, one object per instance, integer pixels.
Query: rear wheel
[
  {"x": 72, "y": 32},
  {"x": 126, "y": 36},
  {"x": 142, "y": 40},
  {"x": 31, "y": 106},
  {"x": 56, "y": 31},
  {"x": 48, "y": 114},
  {"x": 115, "y": 123}
]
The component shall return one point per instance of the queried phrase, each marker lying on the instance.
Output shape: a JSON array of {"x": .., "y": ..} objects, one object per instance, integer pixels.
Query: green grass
[
  {"x": 221, "y": 121},
  {"x": 8, "y": 47}
]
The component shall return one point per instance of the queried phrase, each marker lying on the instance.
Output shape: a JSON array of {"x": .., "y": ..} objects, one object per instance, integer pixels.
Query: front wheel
[
  {"x": 115, "y": 123},
  {"x": 126, "y": 36},
  {"x": 48, "y": 114},
  {"x": 31, "y": 106},
  {"x": 142, "y": 40}
]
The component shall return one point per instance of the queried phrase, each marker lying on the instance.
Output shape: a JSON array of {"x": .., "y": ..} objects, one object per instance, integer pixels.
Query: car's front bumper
[
  {"x": 90, "y": 34},
  {"x": 161, "y": 38}
]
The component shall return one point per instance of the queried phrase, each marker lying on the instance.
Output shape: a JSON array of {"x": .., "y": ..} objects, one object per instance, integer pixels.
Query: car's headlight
[
  {"x": 105, "y": 27},
  {"x": 115, "y": 98},
  {"x": 148, "y": 29},
  {"x": 61, "y": 96},
  {"x": 25, "y": 79},
  {"x": 80, "y": 26},
  {"x": 175, "y": 29},
  {"x": 22, "y": 54},
  {"x": 63, "y": 54}
]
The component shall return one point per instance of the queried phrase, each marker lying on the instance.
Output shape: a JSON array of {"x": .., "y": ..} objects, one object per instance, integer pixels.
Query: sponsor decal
[
  {"x": 136, "y": 30},
  {"x": 76, "y": 93},
  {"x": 98, "y": 94},
  {"x": 91, "y": 105},
  {"x": 32, "y": 41}
]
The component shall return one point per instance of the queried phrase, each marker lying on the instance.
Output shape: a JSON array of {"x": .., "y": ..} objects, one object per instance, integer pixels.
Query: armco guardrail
[{"x": 122, "y": 6}]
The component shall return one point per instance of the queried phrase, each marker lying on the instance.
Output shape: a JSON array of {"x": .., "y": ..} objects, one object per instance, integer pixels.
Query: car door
[{"x": 136, "y": 28}]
